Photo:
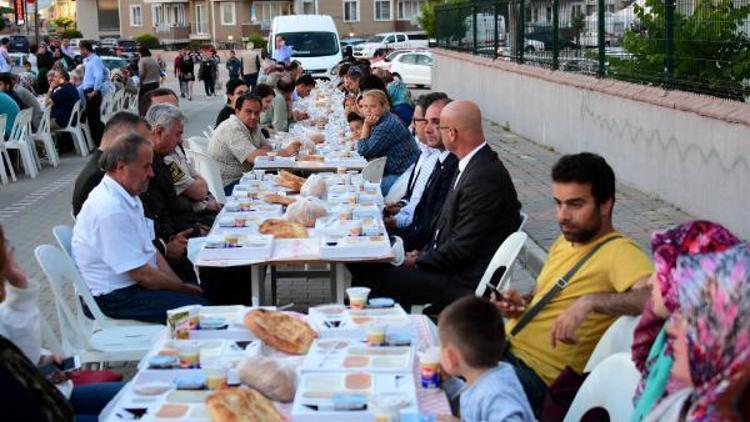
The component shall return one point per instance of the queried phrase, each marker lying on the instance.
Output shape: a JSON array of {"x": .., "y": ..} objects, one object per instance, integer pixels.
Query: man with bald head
[{"x": 481, "y": 209}]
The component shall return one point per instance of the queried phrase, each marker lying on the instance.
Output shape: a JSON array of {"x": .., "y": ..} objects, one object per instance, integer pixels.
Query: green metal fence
[{"x": 694, "y": 45}]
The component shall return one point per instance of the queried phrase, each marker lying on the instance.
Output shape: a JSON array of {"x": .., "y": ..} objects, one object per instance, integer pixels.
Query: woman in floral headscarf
[
  {"x": 710, "y": 334},
  {"x": 651, "y": 352}
]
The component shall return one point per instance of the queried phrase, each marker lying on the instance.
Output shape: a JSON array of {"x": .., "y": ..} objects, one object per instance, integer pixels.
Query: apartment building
[{"x": 229, "y": 21}]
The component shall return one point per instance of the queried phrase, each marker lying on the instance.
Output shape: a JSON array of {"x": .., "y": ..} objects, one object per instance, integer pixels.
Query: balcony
[
  {"x": 172, "y": 33},
  {"x": 249, "y": 28},
  {"x": 199, "y": 31}
]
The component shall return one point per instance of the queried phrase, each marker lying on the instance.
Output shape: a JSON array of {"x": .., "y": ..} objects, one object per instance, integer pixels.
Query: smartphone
[
  {"x": 494, "y": 282},
  {"x": 67, "y": 365}
]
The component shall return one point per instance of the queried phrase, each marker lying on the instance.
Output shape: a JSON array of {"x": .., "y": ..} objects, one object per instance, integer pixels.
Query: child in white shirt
[{"x": 472, "y": 337}]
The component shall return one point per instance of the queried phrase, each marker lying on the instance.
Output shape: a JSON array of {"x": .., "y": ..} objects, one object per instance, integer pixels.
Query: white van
[{"x": 314, "y": 41}]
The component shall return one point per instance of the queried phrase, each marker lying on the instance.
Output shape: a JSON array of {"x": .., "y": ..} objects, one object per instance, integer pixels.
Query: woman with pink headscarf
[{"x": 701, "y": 284}]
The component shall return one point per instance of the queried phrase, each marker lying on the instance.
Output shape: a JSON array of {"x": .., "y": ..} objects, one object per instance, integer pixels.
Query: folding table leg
[
  {"x": 341, "y": 283},
  {"x": 256, "y": 287}
]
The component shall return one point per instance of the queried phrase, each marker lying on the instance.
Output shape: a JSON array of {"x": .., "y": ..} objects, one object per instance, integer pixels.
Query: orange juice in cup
[
  {"x": 232, "y": 240},
  {"x": 216, "y": 375},
  {"x": 355, "y": 229},
  {"x": 375, "y": 334},
  {"x": 239, "y": 221}
]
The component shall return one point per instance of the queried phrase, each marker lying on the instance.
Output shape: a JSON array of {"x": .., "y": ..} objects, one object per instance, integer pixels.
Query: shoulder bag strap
[{"x": 557, "y": 288}]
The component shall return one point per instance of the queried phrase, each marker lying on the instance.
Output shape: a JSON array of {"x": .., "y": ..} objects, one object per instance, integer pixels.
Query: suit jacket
[
  {"x": 478, "y": 214},
  {"x": 418, "y": 233}
]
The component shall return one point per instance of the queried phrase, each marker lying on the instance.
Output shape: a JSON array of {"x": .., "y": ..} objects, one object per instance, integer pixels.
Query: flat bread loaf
[
  {"x": 241, "y": 404},
  {"x": 289, "y": 180},
  {"x": 274, "y": 198},
  {"x": 282, "y": 229},
  {"x": 281, "y": 331}
]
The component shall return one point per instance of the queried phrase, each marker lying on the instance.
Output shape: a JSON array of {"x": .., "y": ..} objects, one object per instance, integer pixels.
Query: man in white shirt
[{"x": 112, "y": 241}]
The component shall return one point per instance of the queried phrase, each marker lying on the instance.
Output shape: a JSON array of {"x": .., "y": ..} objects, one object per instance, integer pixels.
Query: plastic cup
[
  {"x": 239, "y": 221},
  {"x": 271, "y": 155},
  {"x": 245, "y": 205},
  {"x": 259, "y": 174},
  {"x": 357, "y": 297},
  {"x": 189, "y": 356},
  {"x": 375, "y": 334},
  {"x": 216, "y": 376},
  {"x": 386, "y": 408},
  {"x": 232, "y": 240},
  {"x": 341, "y": 171},
  {"x": 355, "y": 229},
  {"x": 429, "y": 367}
]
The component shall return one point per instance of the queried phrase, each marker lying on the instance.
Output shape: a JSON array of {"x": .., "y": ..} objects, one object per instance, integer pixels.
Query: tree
[
  {"x": 64, "y": 22},
  {"x": 577, "y": 25},
  {"x": 711, "y": 49},
  {"x": 148, "y": 40},
  {"x": 427, "y": 15}
]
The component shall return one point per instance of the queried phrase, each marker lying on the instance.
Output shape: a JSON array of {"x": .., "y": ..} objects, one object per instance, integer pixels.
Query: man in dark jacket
[{"x": 480, "y": 211}]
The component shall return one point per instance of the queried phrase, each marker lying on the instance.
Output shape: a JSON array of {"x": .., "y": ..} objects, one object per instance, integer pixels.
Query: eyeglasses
[{"x": 419, "y": 121}]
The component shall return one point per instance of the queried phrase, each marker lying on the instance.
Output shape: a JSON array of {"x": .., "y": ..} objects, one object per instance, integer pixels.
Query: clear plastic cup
[
  {"x": 216, "y": 375},
  {"x": 429, "y": 367},
  {"x": 357, "y": 296},
  {"x": 375, "y": 334}
]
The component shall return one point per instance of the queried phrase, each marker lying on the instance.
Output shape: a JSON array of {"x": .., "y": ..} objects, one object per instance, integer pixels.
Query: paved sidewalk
[{"x": 636, "y": 214}]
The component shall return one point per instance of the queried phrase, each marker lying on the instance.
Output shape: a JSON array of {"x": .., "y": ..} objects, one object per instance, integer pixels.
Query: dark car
[
  {"x": 127, "y": 46},
  {"x": 18, "y": 44},
  {"x": 543, "y": 33},
  {"x": 351, "y": 41}
]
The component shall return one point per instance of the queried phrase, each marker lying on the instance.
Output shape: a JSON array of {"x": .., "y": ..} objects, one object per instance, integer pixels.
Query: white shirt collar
[
  {"x": 462, "y": 163},
  {"x": 117, "y": 189},
  {"x": 443, "y": 155}
]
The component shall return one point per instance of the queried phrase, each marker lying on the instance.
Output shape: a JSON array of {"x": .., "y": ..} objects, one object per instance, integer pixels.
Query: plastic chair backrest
[
  {"x": 610, "y": 385},
  {"x": 75, "y": 115},
  {"x": 21, "y": 126},
  {"x": 106, "y": 107},
  {"x": 524, "y": 218},
  {"x": 504, "y": 257},
  {"x": 400, "y": 186},
  {"x": 59, "y": 273},
  {"x": 618, "y": 338},
  {"x": 209, "y": 170},
  {"x": 198, "y": 143},
  {"x": 43, "y": 128},
  {"x": 117, "y": 101},
  {"x": 64, "y": 236},
  {"x": 373, "y": 171}
]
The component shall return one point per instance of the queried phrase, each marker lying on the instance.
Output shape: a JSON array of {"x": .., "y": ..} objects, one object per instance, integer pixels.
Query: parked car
[
  {"x": 18, "y": 44},
  {"x": 391, "y": 41},
  {"x": 351, "y": 41},
  {"x": 113, "y": 62},
  {"x": 385, "y": 63},
  {"x": 127, "y": 47},
  {"x": 414, "y": 67}
]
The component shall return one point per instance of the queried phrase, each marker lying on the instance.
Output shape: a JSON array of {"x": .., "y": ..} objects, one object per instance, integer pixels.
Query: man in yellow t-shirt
[{"x": 612, "y": 283}]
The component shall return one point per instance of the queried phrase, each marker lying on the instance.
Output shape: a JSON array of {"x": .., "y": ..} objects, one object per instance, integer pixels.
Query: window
[
  {"x": 611, "y": 8},
  {"x": 136, "y": 16},
  {"x": 382, "y": 10},
  {"x": 227, "y": 14},
  {"x": 590, "y": 9},
  {"x": 351, "y": 10},
  {"x": 424, "y": 60},
  {"x": 536, "y": 15},
  {"x": 308, "y": 7},
  {"x": 157, "y": 14},
  {"x": 408, "y": 59},
  {"x": 311, "y": 44},
  {"x": 400, "y": 38},
  {"x": 549, "y": 14},
  {"x": 408, "y": 9},
  {"x": 263, "y": 12}
]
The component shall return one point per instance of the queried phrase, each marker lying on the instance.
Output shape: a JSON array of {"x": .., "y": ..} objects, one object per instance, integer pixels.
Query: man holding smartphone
[{"x": 610, "y": 283}]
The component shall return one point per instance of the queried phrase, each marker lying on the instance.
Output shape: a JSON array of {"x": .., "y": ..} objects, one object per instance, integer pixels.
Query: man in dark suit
[
  {"x": 438, "y": 184},
  {"x": 480, "y": 211}
]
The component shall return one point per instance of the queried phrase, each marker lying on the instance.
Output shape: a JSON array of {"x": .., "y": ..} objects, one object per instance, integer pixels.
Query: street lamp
[{"x": 231, "y": 41}]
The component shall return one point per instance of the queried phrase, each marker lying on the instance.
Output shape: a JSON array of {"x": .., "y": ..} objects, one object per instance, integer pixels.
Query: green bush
[
  {"x": 72, "y": 33},
  {"x": 258, "y": 41},
  {"x": 148, "y": 40}
]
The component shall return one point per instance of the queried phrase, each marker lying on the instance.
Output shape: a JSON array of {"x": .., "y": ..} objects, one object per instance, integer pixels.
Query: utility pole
[{"x": 36, "y": 21}]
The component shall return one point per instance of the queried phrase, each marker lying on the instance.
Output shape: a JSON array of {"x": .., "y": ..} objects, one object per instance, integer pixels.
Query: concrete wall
[
  {"x": 87, "y": 18},
  {"x": 690, "y": 150}
]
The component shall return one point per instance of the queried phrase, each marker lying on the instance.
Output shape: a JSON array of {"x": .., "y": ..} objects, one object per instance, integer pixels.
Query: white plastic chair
[
  {"x": 4, "y": 157},
  {"x": 117, "y": 101},
  {"x": 64, "y": 235},
  {"x": 197, "y": 143},
  {"x": 75, "y": 131},
  {"x": 610, "y": 385},
  {"x": 44, "y": 135},
  {"x": 20, "y": 139},
  {"x": 399, "y": 188},
  {"x": 100, "y": 344},
  {"x": 617, "y": 339},
  {"x": 373, "y": 171},
  {"x": 524, "y": 219},
  {"x": 209, "y": 170},
  {"x": 105, "y": 109},
  {"x": 505, "y": 256},
  {"x": 132, "y": 104}
]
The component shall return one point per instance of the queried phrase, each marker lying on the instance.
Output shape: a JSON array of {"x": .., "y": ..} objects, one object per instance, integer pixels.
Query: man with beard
[{"x": 613, "y": 282}]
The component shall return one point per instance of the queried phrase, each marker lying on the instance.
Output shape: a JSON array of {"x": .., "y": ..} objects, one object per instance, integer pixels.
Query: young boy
[
  {"x": 355, "y": 124},
  {"x": 471, "y": 337}
]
